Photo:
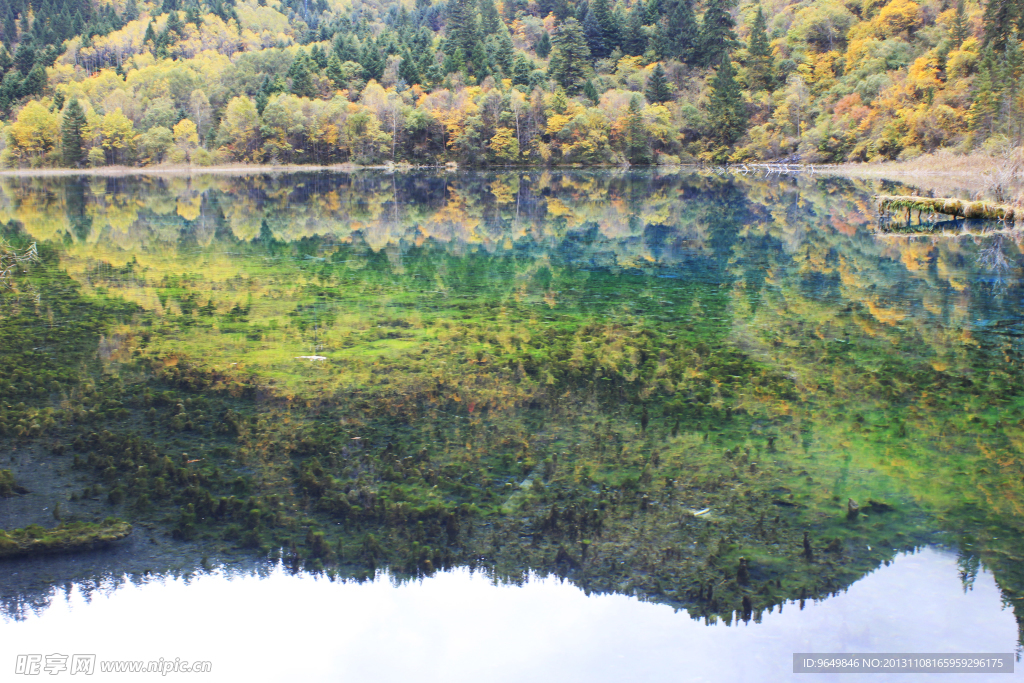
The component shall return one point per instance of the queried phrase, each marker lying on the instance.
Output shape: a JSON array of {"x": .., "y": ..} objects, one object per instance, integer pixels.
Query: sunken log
[
  {"x": 73, "y": 537},
  {"x": 961, "y": 208}
]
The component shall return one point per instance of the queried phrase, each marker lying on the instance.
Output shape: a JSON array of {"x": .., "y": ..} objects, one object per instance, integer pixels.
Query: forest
[{"x": 506, "y": 82}]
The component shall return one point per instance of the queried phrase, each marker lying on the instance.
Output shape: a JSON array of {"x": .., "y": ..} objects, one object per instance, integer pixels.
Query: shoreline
[{"x": 943, "y": 172}]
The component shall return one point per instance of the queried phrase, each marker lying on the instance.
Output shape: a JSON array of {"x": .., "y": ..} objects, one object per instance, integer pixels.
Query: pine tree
[
  {"x": 981, "y": 115},
  {"x": 634, "y": 41},
  {"x": 657, "y": 91},
  {"x": 570, "y": 60},
  {"x": 760, "y": 52},
  {"x": 464, "y": 33},
  {"x": 652, "y": 11},
  {"x": 717, "y": 37},
  {"x": 490, "y": 22},
  {"x": 594, "y": 35},
  {"x": 334, "y": 71},
  {"x": 1001, "y": 19},
  {"x": 131, "y": 11},
  {"x": 71, "y": 128},
  {"x": 958, "y": 31},
  {"x": 373, "y": 63},
  {"x": 589, "y": 91},
  {"x": 544, "y": 45},
  {"x": 319, "y": 57},
  {"x": 34, "y": 83},
  {"x": 505, "y": 52},
  {"x": 727, "y": 114},
  {"x": 636, "y": 134},
  {"x": 302, "y": 76},
  {"x": 606, "y": 21},
  {"x": 521, "y": 70},
  {"x": 681, "y": 38}
]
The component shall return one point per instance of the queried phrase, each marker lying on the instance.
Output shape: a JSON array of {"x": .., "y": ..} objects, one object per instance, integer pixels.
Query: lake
[{"x": 580, "y": 425}]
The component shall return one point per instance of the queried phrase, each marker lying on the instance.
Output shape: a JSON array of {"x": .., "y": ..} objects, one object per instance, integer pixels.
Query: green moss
[{"x": 66, "y": 538}]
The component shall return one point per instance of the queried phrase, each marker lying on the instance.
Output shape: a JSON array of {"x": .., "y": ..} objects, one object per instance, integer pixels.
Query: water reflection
[
  {"x": 460, "y": 626},
  {"x": 661, "y": 385}
]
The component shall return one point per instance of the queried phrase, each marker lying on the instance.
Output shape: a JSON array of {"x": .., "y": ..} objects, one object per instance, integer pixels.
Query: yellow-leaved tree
[
  {"x": 33, "y": 134},
  {"x": 186, "y": 140},
  {"x": 239, "y": 135}
]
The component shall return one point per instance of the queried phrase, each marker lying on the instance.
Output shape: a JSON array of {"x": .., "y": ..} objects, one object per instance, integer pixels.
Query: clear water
[{"x": 658, "y": 397}]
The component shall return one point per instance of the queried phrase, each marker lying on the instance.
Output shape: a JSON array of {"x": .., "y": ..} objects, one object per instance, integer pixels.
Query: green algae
[{"x": 559, "y": 401}]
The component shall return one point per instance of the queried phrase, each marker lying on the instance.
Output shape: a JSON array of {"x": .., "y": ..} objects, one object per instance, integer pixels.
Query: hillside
[{"x": 98, "y": 82}]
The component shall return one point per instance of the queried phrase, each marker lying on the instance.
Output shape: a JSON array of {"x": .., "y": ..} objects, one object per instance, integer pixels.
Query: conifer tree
[
  {"x": 760, "y": 52},
  {"x": 727, "y": 114},
  {"x": 637, "y": 151},
  {"x": 606, "y": 21},
  {"x": 570, "y": 59},
  {"x": 544, "y": 45},
  {"x": 983, "y": 109},
  {"x": 318, "y": 56},
  {"x": 464, "y": 33},
  {"x": 958, "y": 31},
  {"x": 490, "y": 22},
  {"x": 657, "y": 91},
  {"x": 590, "y": 91},
  {"x": 717, "y": 37},
  {"x": 1001, "y": 19},
  {"x": 71, "y": 128},
  {"x": 521, "y": 70},
  {"x": 334, "y": 71},
  {"x": 594, "y": 35},
  {"x": 634, "y": 40},
  {"x": 301, "y": 75},
  {"x": 680, "y": 38}
]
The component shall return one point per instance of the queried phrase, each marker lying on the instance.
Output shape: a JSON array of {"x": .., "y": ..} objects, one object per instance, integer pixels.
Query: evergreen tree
[
  {"x": 490, "y": 22},
  {"x": 372, "y": 61},
  {"x": 521, "y": 70},
  {"x": 570, "y": 59},
  {"x": 680, "y": 38},
  {"x": 634, "y": 41},
  {"x": 652, "y": 11},
  {"x": 464, "y": 33},
  {"x": 657, "y": 91},
  {"x": 319, "y": 57},
  {"x": 760, "y": 52},
  {"x": 334, "y": 71},
  {"x": 1001, "y": 19},
  {"x": 717, "y": 37},
  {"x": 71, "y": 128},
  {"x": 24, "y": 58},
  {"x": 981, "y": 115},
  {"x": 727, "y": 114},
  {"x": 594, "y": 35},
  {"x": 302, "y": 76},
  {"x": 131, "y": 11},
  {"x": 590, "y": 91},
  {"x": 606, "y": 21},
  {"x": 636, "y": 134},
  {"x": 35, "y": 82},
  {"x": 959, "y": 30},
  {"x": 454, "y": 62},
  {"x": 408, "y": 70},
  {"x": 501, "y": 52},
  {"x": 544, "y": 45}
]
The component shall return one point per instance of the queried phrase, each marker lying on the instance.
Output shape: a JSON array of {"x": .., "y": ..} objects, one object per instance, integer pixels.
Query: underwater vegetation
[{"x": 718, "y": 393}]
